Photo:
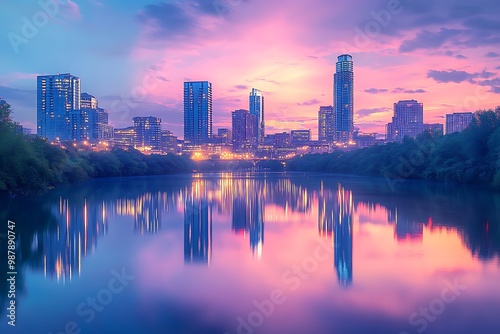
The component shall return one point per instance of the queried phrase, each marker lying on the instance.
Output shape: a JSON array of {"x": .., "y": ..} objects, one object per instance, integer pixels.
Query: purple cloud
[
  {"x": 492, "y": 55},
  {"x": 409, "y": 91},
  {"x": 309, "y": 103},
  {"x": 362, "y": 113},
  {"x": 376, "y": 90},
  {"x": 429, "y": 40},
  {"x": 457, "y": 76}
]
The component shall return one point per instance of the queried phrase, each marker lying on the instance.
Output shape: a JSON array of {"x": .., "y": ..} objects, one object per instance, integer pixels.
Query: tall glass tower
[
  {"x": 57, "y": 96},
  {"x": 257, "y": 109},
  {"x": 198, "y": 112},
  {"x": 343, "y": 99}
]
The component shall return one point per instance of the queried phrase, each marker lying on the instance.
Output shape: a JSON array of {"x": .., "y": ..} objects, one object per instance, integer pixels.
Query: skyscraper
[
  {"x": 458, "y": 122},
  {"x": 197, "y": 112},
  {"x": 326, "y": 124},
  {"x": 148, "y": 133},
  {"x": 244, "y": 131},
  {"x": 408, "y": 120},
  {"x": 57, "y": 96},
  {"x": 343, "y": 99},
  {"x": 257, "y": 109},
  {"x": 90, "y": 122}
]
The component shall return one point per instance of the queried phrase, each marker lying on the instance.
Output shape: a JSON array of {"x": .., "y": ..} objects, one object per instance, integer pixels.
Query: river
[{"x": 253, "y": 253}]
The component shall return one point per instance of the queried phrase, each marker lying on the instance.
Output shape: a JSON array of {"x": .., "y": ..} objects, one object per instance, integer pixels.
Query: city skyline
[{"x": 450, "y": 63}]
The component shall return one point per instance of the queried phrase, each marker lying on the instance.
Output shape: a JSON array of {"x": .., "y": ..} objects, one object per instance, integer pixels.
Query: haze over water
[{"x": 207, "y": 253}]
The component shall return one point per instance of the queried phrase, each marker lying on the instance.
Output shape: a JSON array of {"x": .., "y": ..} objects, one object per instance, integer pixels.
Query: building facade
[
  {"x": 244, "y": 129},
  {"x": 148, "y": 135},
  {"x": 198, "y": 112},
  {"x": 57, "y": 96},
  {"x": 257, "y": 109},
  {"x": 408, "y": 120},
  {"x": 458, "y": 122},
  {"x": 436, "y": 129},
  {"x": 300, "y": 136},
  {"x": 326, "y": 131},
  {"x": 343, "y": 99}
]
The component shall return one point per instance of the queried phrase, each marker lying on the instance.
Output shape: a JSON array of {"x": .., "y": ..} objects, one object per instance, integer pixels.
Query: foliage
[
  {"x": 472, "y": 156},
  {"x": 30, "y": 164}
]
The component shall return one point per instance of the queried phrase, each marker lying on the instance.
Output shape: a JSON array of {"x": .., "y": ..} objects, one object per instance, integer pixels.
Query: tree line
[
  {"x": 29, "y": 164},
  {"x": 469, "y": 157}
]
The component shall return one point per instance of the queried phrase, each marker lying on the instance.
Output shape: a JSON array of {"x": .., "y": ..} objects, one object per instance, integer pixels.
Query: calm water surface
[{"x": 255, "y": 253}]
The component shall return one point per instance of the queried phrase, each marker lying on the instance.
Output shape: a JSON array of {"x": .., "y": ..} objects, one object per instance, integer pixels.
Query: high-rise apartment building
[
  {"x": 325, "y": 124},
  {"x": 198, "y": 112},
  {"x": 57, "y": 96},
  {"x": 458, "y": 122},
  {"x": 408, "y": 120},
  {"x": 257, "y": 109},
  {"x": 343, "y": 99},
  {"x": 90, "y": 122},
  {"x": 148, "y": 133},
  {"x": 244, "y": 131}
]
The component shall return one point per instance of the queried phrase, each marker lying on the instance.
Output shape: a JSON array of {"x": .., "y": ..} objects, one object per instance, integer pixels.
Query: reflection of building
[
  {"x": 405, "y": 227},
  {"x": 248, "y": 217},
  {"x": 147, "y": 216},
  {"x": 79, "y": 225},
  {"x": 344, "y": 99},
  {"x": 197, "y": 231},
  {"x": 343, "y": 236},
  {"x": 326, "y": 209}
]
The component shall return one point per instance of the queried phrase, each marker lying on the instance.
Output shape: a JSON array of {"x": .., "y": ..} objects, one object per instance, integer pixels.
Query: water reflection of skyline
[{"x": 241, "y": 203}]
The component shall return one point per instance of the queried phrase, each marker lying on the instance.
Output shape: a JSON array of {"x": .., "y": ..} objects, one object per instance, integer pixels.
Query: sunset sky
[{"x": 135, "y": 55}]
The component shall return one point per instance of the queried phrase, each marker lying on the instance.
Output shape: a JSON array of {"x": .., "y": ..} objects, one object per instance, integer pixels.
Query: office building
[
  {"x": 57, "y": 96},
  {"x": 458, "y": 122},
  {"x": 300, "y": 136},
  {"x": 436, "y": 129},
  {"x": 257, "y": 109},
  {"x": 169, "y": 142},
  {"x": 197, "y": 112},
  {"x": 244, "y": 131},
  {"x": 408, "y": 120},
  {"x": 325, "y": 124},
  {"x": 89, "y": 122},
  {"x": 124, "y": 138},
  {"x": 343, "y": 99},
  {"x": 148, "y": 134}
]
